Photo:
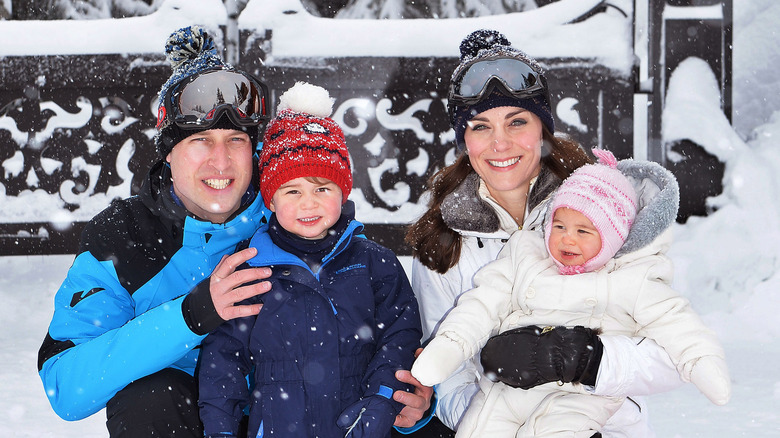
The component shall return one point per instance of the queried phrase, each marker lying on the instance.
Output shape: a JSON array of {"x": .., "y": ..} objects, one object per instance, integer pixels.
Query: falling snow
[{"x": 727, "y": 264}]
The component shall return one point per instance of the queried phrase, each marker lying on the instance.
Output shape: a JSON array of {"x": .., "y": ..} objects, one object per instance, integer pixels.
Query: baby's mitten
[
  {"x": 711, "y": 375},
  {"x": 438, "y": 360}
]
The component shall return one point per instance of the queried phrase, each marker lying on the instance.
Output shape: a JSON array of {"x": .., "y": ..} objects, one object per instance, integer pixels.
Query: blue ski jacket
[
  {"x": 323, "y": 351},
  {"x": 122, "y": 312}
]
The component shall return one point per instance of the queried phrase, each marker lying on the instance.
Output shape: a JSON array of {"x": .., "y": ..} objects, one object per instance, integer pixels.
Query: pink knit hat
[{"x": 606, "y": 197}]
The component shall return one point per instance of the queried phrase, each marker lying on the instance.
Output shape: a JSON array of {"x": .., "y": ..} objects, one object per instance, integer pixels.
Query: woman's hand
[{"x": 416, "y": 403}]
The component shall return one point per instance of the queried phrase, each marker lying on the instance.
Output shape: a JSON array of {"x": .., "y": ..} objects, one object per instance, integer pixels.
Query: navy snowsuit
[{"x": 325, "y": 345}]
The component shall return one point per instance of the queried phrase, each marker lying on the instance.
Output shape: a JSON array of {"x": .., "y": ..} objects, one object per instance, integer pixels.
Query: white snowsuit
[{"x": 629, "y": 296}]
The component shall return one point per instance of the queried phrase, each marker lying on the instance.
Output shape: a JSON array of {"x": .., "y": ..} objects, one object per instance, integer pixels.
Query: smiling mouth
[
  {"x": 505, "y": 163},
  {"x": 218, "y": 184},
  {"x": 309, "y": 219}
]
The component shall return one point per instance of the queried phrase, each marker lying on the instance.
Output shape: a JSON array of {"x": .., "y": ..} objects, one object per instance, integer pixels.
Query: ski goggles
[
  {"x": 478, "y": 80},
  {"x": 198, "y": 101}
]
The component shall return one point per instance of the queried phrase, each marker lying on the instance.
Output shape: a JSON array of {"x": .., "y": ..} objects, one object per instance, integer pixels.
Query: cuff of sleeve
[
  {"x": 424, "y": 420},
  {"x": 591, "y": 371},
  {"x": 198, "y": 309}
]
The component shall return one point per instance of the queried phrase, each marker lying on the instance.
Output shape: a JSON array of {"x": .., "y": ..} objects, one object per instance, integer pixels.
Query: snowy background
[{"x": 728, "y": 264}]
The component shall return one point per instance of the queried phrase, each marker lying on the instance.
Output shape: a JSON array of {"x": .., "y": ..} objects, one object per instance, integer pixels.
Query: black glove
[{"x": 529, "y": 356}]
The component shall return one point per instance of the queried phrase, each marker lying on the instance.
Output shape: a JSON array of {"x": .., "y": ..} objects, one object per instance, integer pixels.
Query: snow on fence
[{"x": 76, "y": 130}]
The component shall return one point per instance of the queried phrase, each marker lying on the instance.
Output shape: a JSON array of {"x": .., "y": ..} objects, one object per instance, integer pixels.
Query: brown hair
[{"x": 434, "y": 243}]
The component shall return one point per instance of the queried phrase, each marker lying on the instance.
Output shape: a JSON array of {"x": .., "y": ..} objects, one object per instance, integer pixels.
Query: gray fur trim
[
  {"x": 545, "y": 184},
  {"x": 463, "y": 209},
  {"x": 659, "y": 201}
]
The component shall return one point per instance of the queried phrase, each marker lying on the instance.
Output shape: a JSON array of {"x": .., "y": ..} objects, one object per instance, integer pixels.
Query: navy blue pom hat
[
  {"x": 205, "y": 93},
  {"x": 492, "y": 74}
]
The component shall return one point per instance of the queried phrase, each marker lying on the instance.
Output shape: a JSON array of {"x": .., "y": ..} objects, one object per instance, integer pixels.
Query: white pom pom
[{"x": 304, "y": 97}]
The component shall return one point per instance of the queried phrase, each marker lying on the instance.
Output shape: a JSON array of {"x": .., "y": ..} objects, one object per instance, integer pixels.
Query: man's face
[{"x": 211, "y": 171}]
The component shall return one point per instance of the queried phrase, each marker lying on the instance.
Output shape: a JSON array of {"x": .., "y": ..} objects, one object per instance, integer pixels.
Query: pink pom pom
[{"x": 605, "y": 157}]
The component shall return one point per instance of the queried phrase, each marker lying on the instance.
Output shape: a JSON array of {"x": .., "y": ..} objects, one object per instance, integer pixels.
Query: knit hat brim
[{"x": 536, "y": 105}]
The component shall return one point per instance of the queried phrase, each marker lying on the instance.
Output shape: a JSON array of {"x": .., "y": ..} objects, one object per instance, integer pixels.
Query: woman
[{"x": 509, "y": 163}]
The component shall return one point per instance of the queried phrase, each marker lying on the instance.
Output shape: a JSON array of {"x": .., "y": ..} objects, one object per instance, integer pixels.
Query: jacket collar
[
  {"x": 156, "y": 194},
  {"x": 466, "y": 212},
  {"x": 269, "y": 253}
]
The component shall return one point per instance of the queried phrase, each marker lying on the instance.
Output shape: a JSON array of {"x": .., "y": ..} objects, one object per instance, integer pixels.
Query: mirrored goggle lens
[
  {"x": 516, "y": 76},
  {"x": 199, "y": 101}
]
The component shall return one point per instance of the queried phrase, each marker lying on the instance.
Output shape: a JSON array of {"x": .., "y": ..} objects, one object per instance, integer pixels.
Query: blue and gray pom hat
[
  {"x": 491, "y": 74},
  {"x": 205, "y": 93}
]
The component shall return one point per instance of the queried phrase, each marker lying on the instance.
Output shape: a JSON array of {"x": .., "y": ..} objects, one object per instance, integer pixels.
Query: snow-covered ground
[{"x": 728, "y": 264}]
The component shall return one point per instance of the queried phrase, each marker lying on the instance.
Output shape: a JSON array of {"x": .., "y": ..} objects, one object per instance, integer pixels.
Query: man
[{"x": 157, "y": 272}]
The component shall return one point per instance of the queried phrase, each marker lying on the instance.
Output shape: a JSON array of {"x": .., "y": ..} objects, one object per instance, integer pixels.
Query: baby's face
[{"x": 573, "y": 238}]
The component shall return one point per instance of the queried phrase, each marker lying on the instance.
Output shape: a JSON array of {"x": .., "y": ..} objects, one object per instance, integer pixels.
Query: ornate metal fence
[{"x": 76, "y": 131}]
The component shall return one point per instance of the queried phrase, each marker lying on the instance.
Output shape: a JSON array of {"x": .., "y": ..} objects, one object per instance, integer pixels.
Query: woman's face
[{"x": 504, "y": 145}]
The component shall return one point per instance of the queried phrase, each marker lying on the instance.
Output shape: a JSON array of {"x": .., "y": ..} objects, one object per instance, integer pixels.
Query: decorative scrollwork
[
  {"x": 72, "y": 153},
  {"x": 393, "y": 144}
]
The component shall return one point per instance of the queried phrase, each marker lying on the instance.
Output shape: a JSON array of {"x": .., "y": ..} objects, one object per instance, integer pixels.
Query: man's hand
[
  {"x": 415, "y": 403},
  {"x": 229, "y": 286}
]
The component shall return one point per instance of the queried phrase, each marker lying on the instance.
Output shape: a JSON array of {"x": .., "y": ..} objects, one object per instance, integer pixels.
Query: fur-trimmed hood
[
  {"x": 659, "y": 200},
  {"x": 464, "y": 210}
]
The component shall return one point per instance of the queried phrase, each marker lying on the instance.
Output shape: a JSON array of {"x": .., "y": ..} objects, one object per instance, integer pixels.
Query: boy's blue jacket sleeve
[{"x": 399, "y": 330}]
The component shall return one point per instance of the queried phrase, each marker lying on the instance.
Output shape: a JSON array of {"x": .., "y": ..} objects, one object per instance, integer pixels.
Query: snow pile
[
  {"x": 546, "y": 31},
  {"x": 746, "y": 216}
]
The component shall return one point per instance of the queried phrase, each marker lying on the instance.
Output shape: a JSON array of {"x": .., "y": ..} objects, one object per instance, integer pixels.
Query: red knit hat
[{"x": 302, "y": 141}]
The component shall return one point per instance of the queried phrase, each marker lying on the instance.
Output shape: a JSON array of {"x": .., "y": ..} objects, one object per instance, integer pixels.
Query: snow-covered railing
[{"x": 78, "y": 102}]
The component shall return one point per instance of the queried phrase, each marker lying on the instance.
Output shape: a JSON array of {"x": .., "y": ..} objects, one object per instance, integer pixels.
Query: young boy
[
  {"x": 341, "y": 316},
  {"x": 533, "y": 282}
]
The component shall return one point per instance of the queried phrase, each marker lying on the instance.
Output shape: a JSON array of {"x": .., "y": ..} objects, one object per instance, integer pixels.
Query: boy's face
[
  {"x": 211, "y": 171},
  {"x": 307, "y": 209},
  {"x": 573, "y": 238}
]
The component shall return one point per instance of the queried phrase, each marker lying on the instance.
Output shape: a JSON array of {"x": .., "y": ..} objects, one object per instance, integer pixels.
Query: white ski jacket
[{"x": 630, "y": 367}]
